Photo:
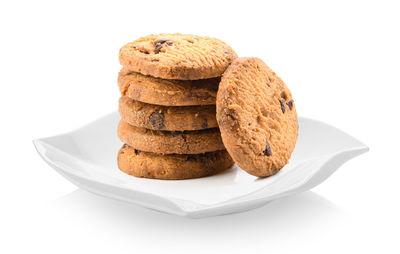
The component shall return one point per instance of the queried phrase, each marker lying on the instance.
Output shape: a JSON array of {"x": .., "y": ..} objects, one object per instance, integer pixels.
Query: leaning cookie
[
  {"x": 177, "y": 56},
  {"x": 257, "y": 117},
  {"x": 172, "y": 166},
  {"x": 156, "y": 117},
  {"x": 168, "y": 142},
  {"x": 167, "y": 92}
]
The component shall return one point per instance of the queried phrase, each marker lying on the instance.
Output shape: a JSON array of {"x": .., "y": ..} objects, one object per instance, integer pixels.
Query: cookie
[
  {"x": 156, "y": 117},
  {"x": 257, "y": 117},
  {"x": 167, "y": 142},
  {"x": 172, "y": 166},
  {"x": 177, "y": 56},
  {"x": 168, "y": 92}
]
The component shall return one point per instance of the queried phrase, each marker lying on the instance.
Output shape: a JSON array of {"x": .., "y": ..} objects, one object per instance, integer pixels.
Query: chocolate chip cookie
[
  {"x": 167, "y": 92},
  {"x": 257, "y": 117},
  {"x": 177, "y": 56},
  {"x": 172, "y": 166},
  {"x": 167, "y": 142},
  {"x": 157, "y": 117}
]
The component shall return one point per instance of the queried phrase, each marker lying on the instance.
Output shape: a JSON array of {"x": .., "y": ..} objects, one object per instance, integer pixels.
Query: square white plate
[{"x": 87, "y": 157}]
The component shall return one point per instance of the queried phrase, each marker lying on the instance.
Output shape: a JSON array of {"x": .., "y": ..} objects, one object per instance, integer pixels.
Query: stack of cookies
[
  {"x": 190, "y": 108},
  {"x": 169, "y": 84}
]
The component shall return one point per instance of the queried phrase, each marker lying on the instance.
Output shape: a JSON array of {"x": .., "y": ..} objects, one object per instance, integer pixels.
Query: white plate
[{"x": 87, "y": 157}]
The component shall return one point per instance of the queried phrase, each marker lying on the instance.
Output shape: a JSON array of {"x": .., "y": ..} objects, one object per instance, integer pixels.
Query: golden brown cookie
[
  {"x": 172, "y": 166},
  {"x": 257, "y": 117},
  {"x": 167, "y": 142},
  {"x": 177, "y": 56},
  {"x": 168, "y": 92},
  {"x": 156, "y": 117}
]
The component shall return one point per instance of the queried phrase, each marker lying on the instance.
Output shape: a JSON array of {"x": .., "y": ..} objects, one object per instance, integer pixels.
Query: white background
[{"x": 58, "y": 69}]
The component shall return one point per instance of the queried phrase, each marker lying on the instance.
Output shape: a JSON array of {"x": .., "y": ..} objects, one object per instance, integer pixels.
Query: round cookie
[
  {"x": 257, "y": 117},
  {"x": 172, "y": 166},
  {"x": 168, "y": 142},
  {"x": 167, "y": 92},
  {"x": 157, "y": 117},
  {"x": 177, "y": 56}
]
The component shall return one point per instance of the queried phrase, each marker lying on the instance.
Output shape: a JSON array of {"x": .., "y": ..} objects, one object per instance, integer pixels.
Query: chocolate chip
[
  {"x": 267, "y": 150},
  {"x": 268, "y": 84},
  {"x": 137, "y": 152},
  {"x": 161, "y": 41},
  {"x": 282, "y": 102},
  {"x": 159, "y": 44},
  {"x": 125, "y": 146},
  {"x": 227, "y": 52},
  {"x": 155, "y": 60},
  {"x": 250, "y": 122},
  {"x": 158, "y": 48},
  {"x": 204, "y": 125},
  {"x": 157, "y": 120},
  {"x": 290, "y": 104}
]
